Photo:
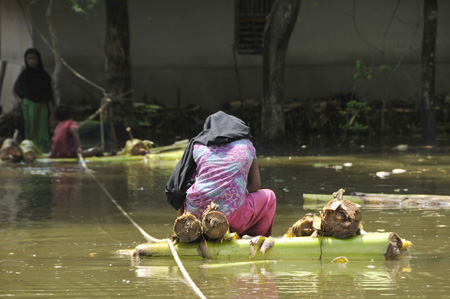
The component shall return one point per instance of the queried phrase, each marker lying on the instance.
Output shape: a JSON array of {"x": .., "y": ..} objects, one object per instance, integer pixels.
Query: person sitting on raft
[
  {"x": 219, "y": 166},
  {"x": 66, "y": 140}
]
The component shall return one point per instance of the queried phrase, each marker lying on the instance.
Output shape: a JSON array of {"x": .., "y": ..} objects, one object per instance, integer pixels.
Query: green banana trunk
[
  {"x": 169, "y": 155},
  {"x": 316, "y": 201},
  {"x": 371, "y": 245}
]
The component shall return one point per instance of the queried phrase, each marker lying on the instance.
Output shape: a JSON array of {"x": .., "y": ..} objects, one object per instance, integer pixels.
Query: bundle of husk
[
  {"x": 30, "y": 150},
  {"x": 137, "y": 147},
  {"x": 10, "y": 150},
  {"x": 303, "y": 227},
  {"x": 341, "y": 218},
  {"x": 395, "y": 246},
  {"x": 188, "y": 228},
  {"x": 215, "y": 224}
]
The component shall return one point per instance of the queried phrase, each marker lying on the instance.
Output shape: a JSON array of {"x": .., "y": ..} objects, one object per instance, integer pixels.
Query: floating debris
[
  {"x": 401, "y": 147},
  {"x": 398, "y": 171},
  {"x": 340, "y": 260},
  {"x": 382, "y": 174},
  {"x": 319, "y": 165}
]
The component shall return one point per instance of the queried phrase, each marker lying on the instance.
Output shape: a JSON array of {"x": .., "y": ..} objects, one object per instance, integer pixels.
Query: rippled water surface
[{"x": 60, "y": 231}]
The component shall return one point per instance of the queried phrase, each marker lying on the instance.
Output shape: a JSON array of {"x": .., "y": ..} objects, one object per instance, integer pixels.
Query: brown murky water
[{"x": 59, "y": 232}]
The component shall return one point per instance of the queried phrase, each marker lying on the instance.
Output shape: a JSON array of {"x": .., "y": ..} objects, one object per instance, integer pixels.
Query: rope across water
[{"x": 144, "y": 233}]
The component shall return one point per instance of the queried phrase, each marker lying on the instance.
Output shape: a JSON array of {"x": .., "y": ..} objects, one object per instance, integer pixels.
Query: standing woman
[{"x": 33, "y": 90}]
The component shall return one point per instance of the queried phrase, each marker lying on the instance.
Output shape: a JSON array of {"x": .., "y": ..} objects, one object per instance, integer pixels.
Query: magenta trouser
[{"x": 255, "y": 216}]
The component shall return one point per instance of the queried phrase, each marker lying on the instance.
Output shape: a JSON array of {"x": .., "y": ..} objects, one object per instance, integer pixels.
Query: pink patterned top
[{"x": 221, "y": 176}]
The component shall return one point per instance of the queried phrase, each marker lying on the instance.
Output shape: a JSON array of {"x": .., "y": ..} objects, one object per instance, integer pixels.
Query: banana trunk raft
[
  {"x": 409, "y": 201},
  {"x": 170, "y": 155},
  {"x": 135, "y": 149},
  {"x": 371, "y": 245},
  {"x": 170, "y": 152}
]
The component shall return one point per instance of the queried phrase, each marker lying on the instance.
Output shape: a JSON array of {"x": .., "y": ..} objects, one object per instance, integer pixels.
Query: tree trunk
[
  {"x": 279, "y": 27},
  {"x": 428, "y": 72},
  {"x": 56, "y": 55},
  {"x": 118, "y": 69}
]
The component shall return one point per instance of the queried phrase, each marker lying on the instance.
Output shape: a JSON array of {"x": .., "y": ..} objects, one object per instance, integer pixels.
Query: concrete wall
[
  {"x": 14, "y": 33},
  {"x": 188, "y": 45}
]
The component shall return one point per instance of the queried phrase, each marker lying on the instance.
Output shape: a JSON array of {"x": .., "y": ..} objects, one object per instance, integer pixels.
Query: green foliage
[
  {"x": 354, "y": 106},
  {"x": 354, "y": 110},
  {"x": 362, "y": 71},
  {"x": 385, "y": 67},
  {"x": 84, "y": 6}
]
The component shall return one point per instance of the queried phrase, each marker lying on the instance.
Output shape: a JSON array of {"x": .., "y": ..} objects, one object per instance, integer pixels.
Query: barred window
[{"x": 250, "y": 17}]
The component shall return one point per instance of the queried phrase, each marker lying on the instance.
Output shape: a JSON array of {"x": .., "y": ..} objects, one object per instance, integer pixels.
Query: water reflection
[
  {"x": 65, "y": 195},
  {"x": 9, "y": 203},
  {"x": 270, "y": 279},
  {"x": 59, "y": 231},
  {"x": 35, "y": 199}
]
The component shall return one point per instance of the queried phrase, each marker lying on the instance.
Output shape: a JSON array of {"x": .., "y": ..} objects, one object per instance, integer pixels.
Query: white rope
[
  {"x": 146, "y": 235},
  {"x": 183, "y": 270}
]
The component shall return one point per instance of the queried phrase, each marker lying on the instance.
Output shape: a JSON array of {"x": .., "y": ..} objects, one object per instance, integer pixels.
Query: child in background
[{"x": 66, "y": 140}]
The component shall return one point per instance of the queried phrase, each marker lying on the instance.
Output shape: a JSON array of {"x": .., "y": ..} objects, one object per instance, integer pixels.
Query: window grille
[{"x": 250, "y": 18}]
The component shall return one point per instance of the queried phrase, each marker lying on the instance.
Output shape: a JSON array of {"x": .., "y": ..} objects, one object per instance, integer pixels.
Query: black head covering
[
  {"x": 222, "y": 128},
  {"x": 34, "y": 83},
  {"x": 63, "y": 112},
  {"x": 219, "y": 128}
]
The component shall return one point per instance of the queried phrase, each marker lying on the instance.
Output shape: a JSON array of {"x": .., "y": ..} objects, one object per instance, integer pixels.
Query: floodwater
[{"x": 60, "y": 231}]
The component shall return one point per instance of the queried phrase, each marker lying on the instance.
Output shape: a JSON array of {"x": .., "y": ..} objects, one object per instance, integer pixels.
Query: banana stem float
[
  {"x": 371, "y": 245},
  {"x": 314, "y": 201}
]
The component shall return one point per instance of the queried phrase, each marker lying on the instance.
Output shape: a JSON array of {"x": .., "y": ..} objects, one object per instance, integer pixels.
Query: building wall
[
  {"x": 14, "y": 33},
  {"x": 188, "y": 45}
]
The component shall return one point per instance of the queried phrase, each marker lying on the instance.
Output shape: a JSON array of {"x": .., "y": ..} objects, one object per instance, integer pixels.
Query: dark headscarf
[
  {"x": 34, "y": 84},
  {"x": 219, "y": 128}
]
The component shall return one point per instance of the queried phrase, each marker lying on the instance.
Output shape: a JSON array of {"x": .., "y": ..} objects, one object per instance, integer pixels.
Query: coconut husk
[
  {"x": 29, "y": 156},
  {"x": 10, "y": 151},
  {"x": 215, "y": 224},
  {"x": 341, "y": 218},
  {"x": 394, "y": 247},
  {"x": 187, "y": 228},
  {"x": 303, "y": 227},
  {"x": 137, "y": 147},
  {"x": 30, "y": 150}
]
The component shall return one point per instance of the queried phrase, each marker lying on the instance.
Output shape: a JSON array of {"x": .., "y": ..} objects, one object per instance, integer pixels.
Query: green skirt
[{"x": 36, "y": 130}]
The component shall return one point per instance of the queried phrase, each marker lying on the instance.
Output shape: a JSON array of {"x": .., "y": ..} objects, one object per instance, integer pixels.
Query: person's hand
[
  {"x": 79, "y": 150},
  {"x": 180, "y": 211}
]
